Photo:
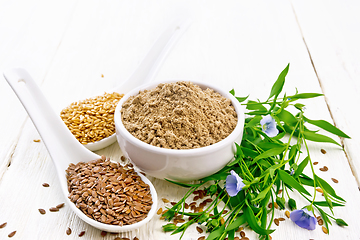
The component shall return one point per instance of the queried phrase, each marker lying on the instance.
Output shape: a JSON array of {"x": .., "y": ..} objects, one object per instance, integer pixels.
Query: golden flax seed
[{"x": 92, "y": 119}]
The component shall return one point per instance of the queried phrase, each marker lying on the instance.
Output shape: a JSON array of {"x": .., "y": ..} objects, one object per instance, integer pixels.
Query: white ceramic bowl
[{"x": 178, "y": 164}]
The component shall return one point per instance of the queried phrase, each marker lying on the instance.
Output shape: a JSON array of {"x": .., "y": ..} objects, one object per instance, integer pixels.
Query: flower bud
[
  {"x": 292, "y": 204},
  {"x": 255, "y": 180},
  {"x": 341, "y": 222},
  {"x": 281, "y": 202},
  {"x": 203, "y": 217},
  {"x": 212, "y": 189},
  {"x": 169, "y": 227}
]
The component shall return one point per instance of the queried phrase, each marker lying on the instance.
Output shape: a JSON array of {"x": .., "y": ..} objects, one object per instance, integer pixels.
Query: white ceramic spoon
[
  {"x": 61, "y": 144},
  {"x": 148, "y": 68}
]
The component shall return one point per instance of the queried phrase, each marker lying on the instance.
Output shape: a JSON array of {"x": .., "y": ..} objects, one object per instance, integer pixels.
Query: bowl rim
[{"x": 181, "y": 152}]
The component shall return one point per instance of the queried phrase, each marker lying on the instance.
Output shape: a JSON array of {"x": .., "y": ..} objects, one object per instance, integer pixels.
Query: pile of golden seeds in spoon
[
  {"x": 108, "y": 192},
  {"x": 92, "y": 119}
]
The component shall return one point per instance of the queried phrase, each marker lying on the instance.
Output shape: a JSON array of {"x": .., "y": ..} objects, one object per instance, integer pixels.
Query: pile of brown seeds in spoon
[{"x": 108, "y": 192}]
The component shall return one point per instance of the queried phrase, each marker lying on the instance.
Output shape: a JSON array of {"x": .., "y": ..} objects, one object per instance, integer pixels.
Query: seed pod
[
  {"x": 169, "y": 227},
  {"x": 281, "y": 202},
  {"x": 341, "y": 222},
  {"x": 292, "y": 204}
]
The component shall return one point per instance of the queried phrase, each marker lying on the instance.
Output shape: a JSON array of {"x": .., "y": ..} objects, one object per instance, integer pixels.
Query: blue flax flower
[
  {"x": 234, "y": 183},
  {"x": 268, "y": 126},
  {"x": 304, "y": 218}
]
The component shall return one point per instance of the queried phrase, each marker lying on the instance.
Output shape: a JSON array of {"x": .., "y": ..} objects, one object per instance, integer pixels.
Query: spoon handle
[
  {"x": 151, "y": 63},
  {"x": 61, "y": 144}
]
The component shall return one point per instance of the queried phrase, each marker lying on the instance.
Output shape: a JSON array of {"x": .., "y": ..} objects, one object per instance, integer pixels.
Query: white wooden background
[{"x": 68, "y": 45}]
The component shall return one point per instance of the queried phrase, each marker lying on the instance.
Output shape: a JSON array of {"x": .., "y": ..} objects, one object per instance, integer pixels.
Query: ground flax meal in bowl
[
  {"x": 179, "y": 130},
  {"x": 179, "y": 115}
]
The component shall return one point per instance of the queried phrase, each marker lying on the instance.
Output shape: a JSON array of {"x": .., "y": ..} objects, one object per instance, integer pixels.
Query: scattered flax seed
[
  {"x": 316, "y": 163},
  {"x": 173, "y": 203},
  {"x": 281, "y": 219},
  {"x": 320, "y": 222},
  {"x": 102, "y": 75},
  {"x": 201, "y": 238},
  {"x": 276, "y": 205},
  {"x": 135, "y": 238},
  {"x": 319, "y": 190},
  {"x": 11, "y": 234},
  {"x": 287, "y": 214},
  {"x": 276, "y": 221},
  {"x": 246, "y": 238},
  {"x": 68, "y": 231},
  {"x": 222, "y": 221},
  {"x": 36, "y": 140},
  {"x": 60, "y": 205},
  {"x": 165, "y": 200},
  {"x": 103, "y": 233},
  {"x": 81, "y": 233},
  {"x": 334, "y": 180},
  {"x": 159, "y": 211},
  {"x": 324, "y": 229},
  {"x": 280, "y": 191},
  {"x": 46, "y": 185},
  {"x": 3, "y": 225},
  {"x": 239, "y": 229},
  {"x": 236, "y": 238},
  {"x": 270, "y": 205},
  {"x": 323, "y": 151},
  {"x": 242, "y": 234},
  {"x": 53, "y": 209},
  {"x": 199, "y": 229},
  {"x": 92, "y": 119},
  {"x": 42, "y": 211},
  {"x": 324, "y": 169}
]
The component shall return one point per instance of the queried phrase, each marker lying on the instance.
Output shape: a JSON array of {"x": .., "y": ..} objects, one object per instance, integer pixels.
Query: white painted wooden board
[
  {"x": 332, "y": 36},
  {"x": 68, "y": 45}
]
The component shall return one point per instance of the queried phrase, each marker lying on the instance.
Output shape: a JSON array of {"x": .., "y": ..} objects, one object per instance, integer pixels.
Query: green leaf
[
  {"x": 289, "y": 180},
  {"x": 249, "y": 152},
  {"x": 326, "y": 187},
  {"x": 269, "y": 145},
  {"x": 301, "y": 167},
  {"x": 248, "y": 212},
  {"x": 240, "y": 220},
  {"x": 304, "y": 96},
  {"x": 270, "y": 153},
  {"x": 242, "y": 99},
  {"x": 319, "y": 138},
  {"x": 253, "y": 122},
  {"x": 216, "y": 233},
  {"x": 278, "y": 85},
  {"x": 287, "y": 117},
  {"x": 252, "y": 105},
  {"x": 262, "y": 194},
  {"x": 327, "y": 126},
  {"x": 186, "y": 185},
  {"x": 325, "y": 204}
]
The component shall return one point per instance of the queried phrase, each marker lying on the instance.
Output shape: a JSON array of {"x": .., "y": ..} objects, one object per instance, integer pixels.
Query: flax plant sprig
[{"x": 265, "y": 163}]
